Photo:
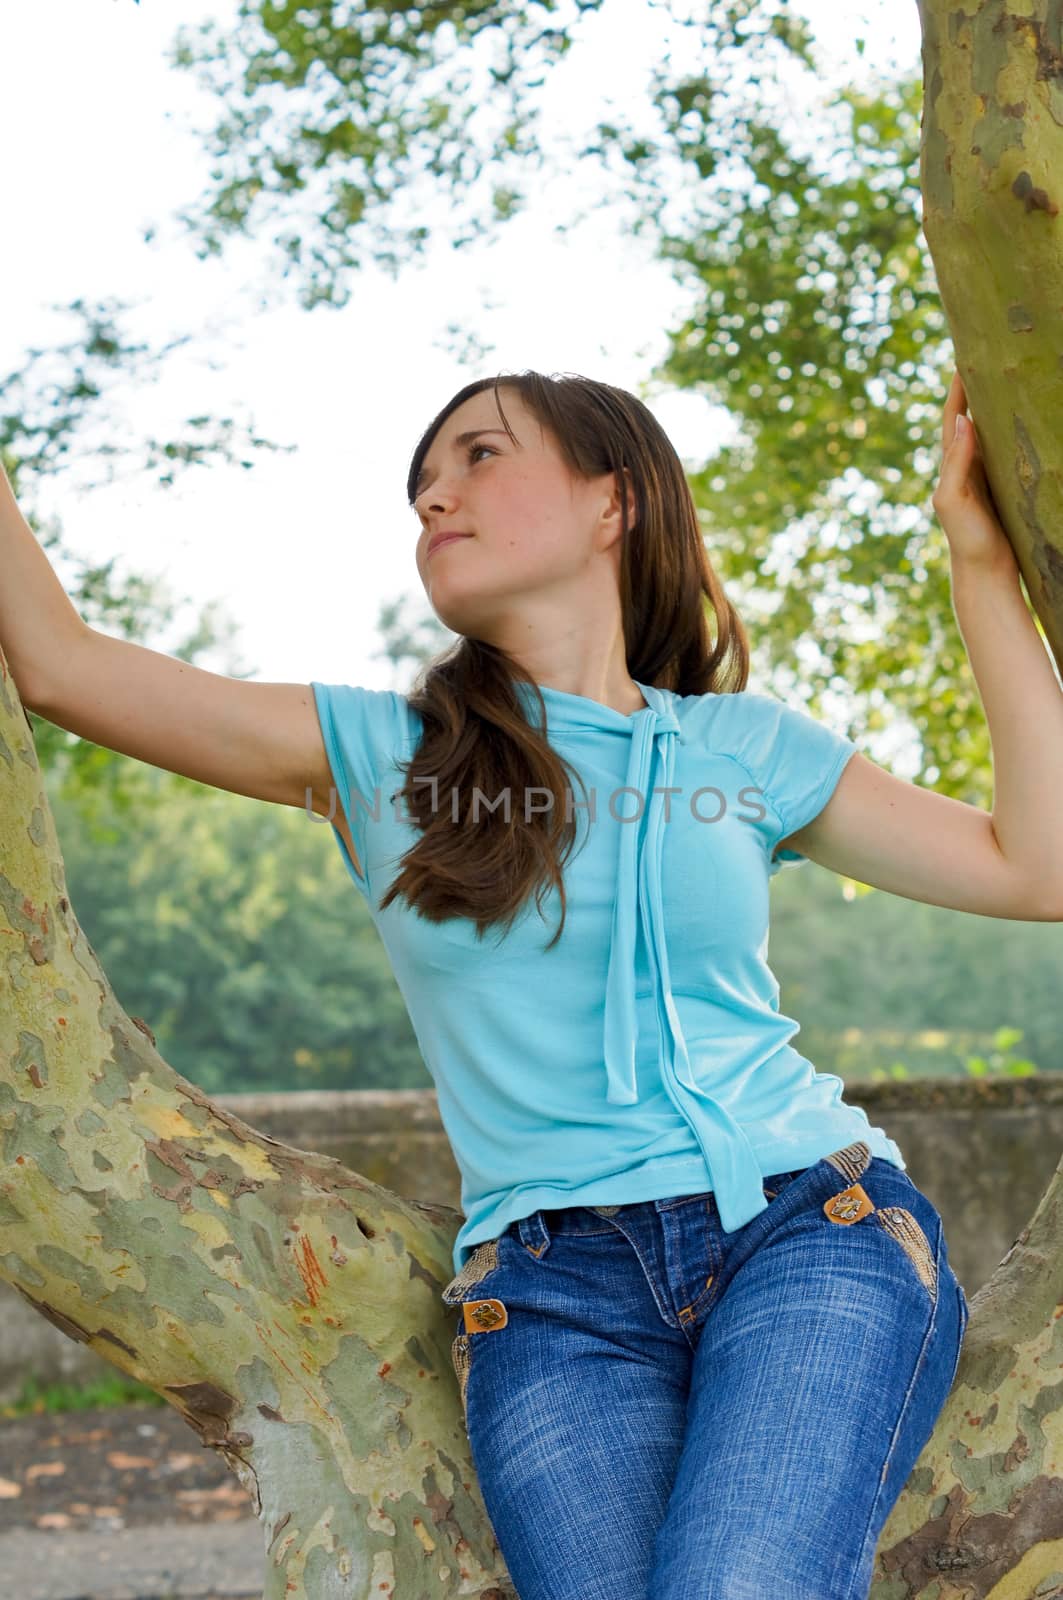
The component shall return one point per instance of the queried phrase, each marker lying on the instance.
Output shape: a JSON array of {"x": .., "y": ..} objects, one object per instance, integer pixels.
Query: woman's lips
[{"x": 451, "y": 538}]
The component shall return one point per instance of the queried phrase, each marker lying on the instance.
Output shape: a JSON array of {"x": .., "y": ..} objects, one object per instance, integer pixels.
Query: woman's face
[{"x": 534, "y": 532}]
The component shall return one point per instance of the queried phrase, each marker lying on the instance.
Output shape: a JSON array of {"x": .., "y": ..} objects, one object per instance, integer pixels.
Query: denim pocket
[
  {"x": 903, "y": 1226},
  {"x": 855, "y": 1205}
]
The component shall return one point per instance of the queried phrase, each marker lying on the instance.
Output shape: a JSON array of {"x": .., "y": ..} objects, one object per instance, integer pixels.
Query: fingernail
[{"x": 961, "y": 425}]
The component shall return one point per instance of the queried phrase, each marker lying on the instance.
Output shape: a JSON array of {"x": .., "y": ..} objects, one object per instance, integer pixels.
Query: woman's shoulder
[
  {"x": 381, "y": 718},
  {"x": 729, "y": 714}
]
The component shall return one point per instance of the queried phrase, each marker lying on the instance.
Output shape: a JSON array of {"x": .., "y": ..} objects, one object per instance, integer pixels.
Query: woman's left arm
[{"x": 911, "y": 841}]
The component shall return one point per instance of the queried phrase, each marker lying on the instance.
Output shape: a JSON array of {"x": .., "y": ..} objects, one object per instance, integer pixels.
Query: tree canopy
[{"x": 814, "y": 315}]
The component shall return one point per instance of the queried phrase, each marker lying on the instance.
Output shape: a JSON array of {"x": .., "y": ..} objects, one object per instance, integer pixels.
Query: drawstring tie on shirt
[{"x": 736, "y": 1175}]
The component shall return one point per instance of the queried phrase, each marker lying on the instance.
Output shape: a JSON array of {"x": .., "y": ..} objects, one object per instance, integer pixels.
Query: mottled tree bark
[
  {"x": 289, "y": 1309},
  {"x": 982, "y": 1513},
  {"x": 992, "y": 182},
  {"x": 981, "y": 1516}
]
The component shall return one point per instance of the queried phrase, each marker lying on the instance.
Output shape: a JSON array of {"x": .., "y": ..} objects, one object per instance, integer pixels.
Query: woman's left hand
[{"x": 963, "y": 499}]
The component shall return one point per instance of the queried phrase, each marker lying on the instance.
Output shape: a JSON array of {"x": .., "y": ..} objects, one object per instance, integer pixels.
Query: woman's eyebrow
[{"x": 462, "y": 439}]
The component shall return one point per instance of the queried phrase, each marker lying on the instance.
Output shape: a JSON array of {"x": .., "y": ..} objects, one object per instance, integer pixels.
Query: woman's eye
[{"x": 475, "y": 448}]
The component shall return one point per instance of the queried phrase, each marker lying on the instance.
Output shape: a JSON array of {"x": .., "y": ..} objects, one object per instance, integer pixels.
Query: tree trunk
[
  {"x": 982, "y": 1513},
  {"x": 992, "y": 182},
  {"x": 289, "y": 1309}
]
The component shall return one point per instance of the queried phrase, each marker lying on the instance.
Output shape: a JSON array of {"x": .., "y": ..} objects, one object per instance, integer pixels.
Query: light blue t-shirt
[{"x": 644, "y": 1056}]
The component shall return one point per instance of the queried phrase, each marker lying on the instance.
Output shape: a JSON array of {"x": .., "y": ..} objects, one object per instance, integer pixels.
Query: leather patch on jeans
[
  {"x": 849, "y": 1206},
  {"x": 484, "y": 1316}
]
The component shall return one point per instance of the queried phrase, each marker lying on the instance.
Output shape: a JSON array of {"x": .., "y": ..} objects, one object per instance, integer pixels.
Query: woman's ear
[{"x": 632, "y": 500}]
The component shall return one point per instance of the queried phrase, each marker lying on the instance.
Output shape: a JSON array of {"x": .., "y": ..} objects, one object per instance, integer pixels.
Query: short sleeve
[
  {"x": 364, "y": 730},
  {"x": 797, "y": 762}
]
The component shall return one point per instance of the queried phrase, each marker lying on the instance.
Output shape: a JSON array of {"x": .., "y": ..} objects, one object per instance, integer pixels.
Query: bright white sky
[{"x": 303, "y": 549}]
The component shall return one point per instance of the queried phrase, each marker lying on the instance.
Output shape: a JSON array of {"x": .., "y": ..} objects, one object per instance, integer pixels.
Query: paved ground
[
  {"x": 148, "y": 1563},
  {"x": 122, "y": 1504}
]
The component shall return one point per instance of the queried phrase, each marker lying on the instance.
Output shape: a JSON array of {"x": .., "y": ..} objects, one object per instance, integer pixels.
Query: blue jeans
[{"x": 659, "y": 1410}]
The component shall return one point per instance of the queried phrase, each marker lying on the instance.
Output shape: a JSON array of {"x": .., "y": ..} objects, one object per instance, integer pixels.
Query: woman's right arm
[{"x": 256, "y": 739}]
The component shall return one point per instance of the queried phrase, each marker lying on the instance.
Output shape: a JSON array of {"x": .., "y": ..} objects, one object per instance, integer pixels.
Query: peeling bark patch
[
  {"x": 1053, "y": 562},
  {"x": 127, "y": 1052},
  {"x": 240, "y": 1129},
  {"x": 1019, "y": 320},
  {"x": 993, "y": 45},
  {"x": 264, "y": 1244},
  {"x": 988, "y": 1549},
  {"x": 1055, "y": 103},
  {"x": 112, "y": 1338},
  {"x": 1049, "y": 53},
  {"x": 24, "y": 918},
  {"x": 271, "y": 1415},
  {"x": 31, "y": 1059},
  {"x": 37, "y": 828},
  {"x": 936, "y": 177},
  {"x": 170, "y": 1155},
  {"x": 87, "y": 1123},
  {"x": 18, "y": 1272},
  {"x": 112, "y": 1086},
  {"x": 997, "y": 134},
  {"x": 309, "y": 1269},
  {"x": 1027, "y": 463},
  {"x": 138, "y": 1022},
  {"x": 416, "y": 1351},
  {"x": 1035, "y": 199},
  {"x": 81, "y": 1274},
  {"x": 935, "y": 1546},
  {"x": 279, "y": 1528},
  {"x": 1046, "y": 557},
  {"x": 67, "y": 1325},
  {"x": 205, "y": 1407}
]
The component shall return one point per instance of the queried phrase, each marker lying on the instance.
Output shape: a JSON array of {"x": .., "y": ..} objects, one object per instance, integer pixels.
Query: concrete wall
[{"x": 983, "y": 1151}]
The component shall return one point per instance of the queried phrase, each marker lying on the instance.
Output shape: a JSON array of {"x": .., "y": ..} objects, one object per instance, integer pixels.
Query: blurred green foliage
[
  {"x": 233, "y": 929},
  {"x": 37, "y": 1399},
  {"x": 790, "y": 214}
]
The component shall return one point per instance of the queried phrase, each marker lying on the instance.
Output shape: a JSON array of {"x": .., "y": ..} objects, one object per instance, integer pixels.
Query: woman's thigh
[
  {"x": 819, "y": 1374},
  {"x": 575, "y": 1408}
]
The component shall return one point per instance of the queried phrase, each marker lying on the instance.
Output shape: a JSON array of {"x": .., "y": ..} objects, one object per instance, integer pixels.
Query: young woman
[{"x": 705, "y": 1322}]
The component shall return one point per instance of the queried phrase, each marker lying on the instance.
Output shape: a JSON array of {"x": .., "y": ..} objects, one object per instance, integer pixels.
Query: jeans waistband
[{"x": 535, "y": 1231}]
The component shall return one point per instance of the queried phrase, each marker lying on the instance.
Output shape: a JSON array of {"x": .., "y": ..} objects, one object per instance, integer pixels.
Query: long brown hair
[{"x": 476, "y": 736}]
